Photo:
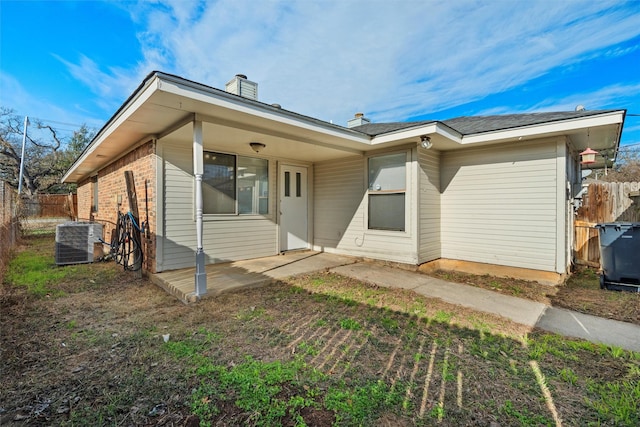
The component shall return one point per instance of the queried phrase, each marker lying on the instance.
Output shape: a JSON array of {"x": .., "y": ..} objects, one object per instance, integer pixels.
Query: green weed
[
  {"x": 515, "y": 290},
  {"x": 321, "y": 323},
  {"x": 389, "y": 323},
  {"x": 616, "y": 402},
  {"x": 443, "y": 316},
  {"x": 350, "y": 324},
  {"x": 524, "y": 417},
  {"x": 359, "y": 406},
  {"x": 266, "y": 392},
  {"x": 437, "y": 412},
  {"x": 194, "y": 346},
  {"x": 616, "y": 352},
  {"x": 634, "y": 371},
  {"x": 307, "y": 349},
  {"x": 569, "y": 376},
  {"x": 37, "y": 273}
]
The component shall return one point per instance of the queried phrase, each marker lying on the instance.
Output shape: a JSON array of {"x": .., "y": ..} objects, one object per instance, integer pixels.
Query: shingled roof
[{"x": 470, "y": 125}]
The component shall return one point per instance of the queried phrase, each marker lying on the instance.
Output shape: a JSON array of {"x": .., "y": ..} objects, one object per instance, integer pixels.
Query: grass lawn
[{"x": 93, "y": 345}]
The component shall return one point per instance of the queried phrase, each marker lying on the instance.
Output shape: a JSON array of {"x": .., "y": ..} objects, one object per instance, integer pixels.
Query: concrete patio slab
[{"x": 244, "y": 274}]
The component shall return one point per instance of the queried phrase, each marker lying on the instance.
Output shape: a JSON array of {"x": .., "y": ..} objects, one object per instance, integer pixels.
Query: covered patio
[{"x": 227, "y": 277}]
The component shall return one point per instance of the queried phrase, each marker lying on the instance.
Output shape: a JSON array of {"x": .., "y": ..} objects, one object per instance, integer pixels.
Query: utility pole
[{"x": 24, "y": 140}]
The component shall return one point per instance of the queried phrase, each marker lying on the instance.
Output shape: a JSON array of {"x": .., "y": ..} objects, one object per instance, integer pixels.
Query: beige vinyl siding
[
  {"x": 429, "y": 205},
  {"x": 499, "y": 205},
  {"x": 340, "y": 222},
  {"x": 338, "y": 200},
  {"x": 225, "y": 238}
]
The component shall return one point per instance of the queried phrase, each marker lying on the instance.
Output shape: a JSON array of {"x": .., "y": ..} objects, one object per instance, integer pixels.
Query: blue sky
[{"x": 70, "y": 63}]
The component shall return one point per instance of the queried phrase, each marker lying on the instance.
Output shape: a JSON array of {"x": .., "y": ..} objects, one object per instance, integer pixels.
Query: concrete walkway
[{"x": 526, "y": 312}]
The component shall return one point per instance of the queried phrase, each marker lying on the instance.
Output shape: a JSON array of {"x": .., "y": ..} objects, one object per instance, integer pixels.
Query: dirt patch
[{"x": 581, "y": 292}]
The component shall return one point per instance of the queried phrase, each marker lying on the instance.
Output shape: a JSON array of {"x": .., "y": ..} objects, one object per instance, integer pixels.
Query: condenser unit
[{"x": 75, "y": 242}]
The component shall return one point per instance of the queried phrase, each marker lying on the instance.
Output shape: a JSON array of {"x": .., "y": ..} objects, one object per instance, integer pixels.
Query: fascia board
[
  {"x": 616, "y": 117},
  {"x": 416, "y": 132},
  {"x": 120, "y": 117},
  {"x": 231, "y": 102}
]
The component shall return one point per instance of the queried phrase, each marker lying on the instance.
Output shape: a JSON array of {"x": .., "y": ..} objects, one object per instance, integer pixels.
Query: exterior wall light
[
  {"x": 257, "y": 146},
  {"x": 425, "y": 142},
  {"x": 588, "y": 156}
]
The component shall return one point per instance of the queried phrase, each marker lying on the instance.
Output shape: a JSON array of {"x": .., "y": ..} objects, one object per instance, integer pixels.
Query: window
[
  {"x": 94, "y": 188},
  {"x": 235, "y": 184},
  {"x": 387, "y": 188}
]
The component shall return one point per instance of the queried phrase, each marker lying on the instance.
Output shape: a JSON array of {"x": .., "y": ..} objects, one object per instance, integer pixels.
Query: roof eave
[
  {"x": 555, "y": 127},
  {"x": 158, "y": 81},
  {"x": 146, "y": 89}
]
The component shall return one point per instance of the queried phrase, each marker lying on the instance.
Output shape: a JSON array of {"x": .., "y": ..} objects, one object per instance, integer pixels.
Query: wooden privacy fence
[
  {"x": 50, "y": 206},
  {"x": 603, "y": 202},
  {"x": 9, "y": 223}
]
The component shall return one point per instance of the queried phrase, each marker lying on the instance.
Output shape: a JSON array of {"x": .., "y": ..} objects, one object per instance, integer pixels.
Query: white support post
[{"x": 198, "y": 171}]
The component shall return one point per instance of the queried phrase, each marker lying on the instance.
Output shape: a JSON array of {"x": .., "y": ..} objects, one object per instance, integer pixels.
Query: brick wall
[{"x": 112, "y": 196}]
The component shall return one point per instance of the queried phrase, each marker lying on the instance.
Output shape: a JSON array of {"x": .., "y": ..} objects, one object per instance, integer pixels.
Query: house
[{"x": 221, "y": 176}]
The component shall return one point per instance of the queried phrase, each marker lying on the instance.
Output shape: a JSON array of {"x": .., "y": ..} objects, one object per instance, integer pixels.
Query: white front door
[{"x": 293, "y": 208}]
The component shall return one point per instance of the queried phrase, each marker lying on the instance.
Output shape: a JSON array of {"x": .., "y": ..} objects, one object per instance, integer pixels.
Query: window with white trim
[
  {"x": 387, "y": 192},
  {"x": 235, "y": 185}
]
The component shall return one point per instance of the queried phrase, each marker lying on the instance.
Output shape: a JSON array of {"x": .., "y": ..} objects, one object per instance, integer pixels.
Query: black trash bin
[{"x": 620, "y": 256}]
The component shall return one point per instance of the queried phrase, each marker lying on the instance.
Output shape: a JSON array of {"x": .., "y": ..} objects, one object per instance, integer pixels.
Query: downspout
[{"x": 198, "y": 171}]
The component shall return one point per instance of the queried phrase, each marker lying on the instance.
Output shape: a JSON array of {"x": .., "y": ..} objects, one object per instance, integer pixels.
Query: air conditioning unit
[{"x": 75, "y": 242}]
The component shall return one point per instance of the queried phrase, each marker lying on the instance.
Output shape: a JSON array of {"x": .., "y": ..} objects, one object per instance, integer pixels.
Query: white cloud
[
  {"x": 618, "y": 96},
  {"x": 389, "y": 59},
  {"x": 111, "y": 85},
  {"x": 22, "y": 102}
]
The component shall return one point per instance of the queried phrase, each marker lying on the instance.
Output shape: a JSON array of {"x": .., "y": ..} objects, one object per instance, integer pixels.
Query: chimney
[
  {"x": 239, "y": 85},
  {"x": 359, "y": 119}
]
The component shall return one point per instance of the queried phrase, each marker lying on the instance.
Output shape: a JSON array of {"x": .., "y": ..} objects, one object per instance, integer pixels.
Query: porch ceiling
[{"x": 224, "y": 138}]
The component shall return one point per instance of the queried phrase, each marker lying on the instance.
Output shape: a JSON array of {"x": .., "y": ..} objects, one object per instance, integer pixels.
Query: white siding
[
  {"x": 500, "y": 205},
  {"x": 340, "y": 222},
  {"x": 226, "y": 238},
  {"x": 429, "y": 205}
]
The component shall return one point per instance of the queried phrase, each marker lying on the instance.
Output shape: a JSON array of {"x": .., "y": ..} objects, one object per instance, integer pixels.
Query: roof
[
  {"x": 150, "y": 112},
  {"x": 471, "y": 125}
]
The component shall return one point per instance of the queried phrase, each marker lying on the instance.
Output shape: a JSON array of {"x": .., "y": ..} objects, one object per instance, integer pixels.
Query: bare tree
[
  {"x": 47, "y": 158},
  {"x": 627, "y": 167}
]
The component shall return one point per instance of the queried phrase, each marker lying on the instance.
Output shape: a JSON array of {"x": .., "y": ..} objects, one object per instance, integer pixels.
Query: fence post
[{"x": 8, "y": 223}]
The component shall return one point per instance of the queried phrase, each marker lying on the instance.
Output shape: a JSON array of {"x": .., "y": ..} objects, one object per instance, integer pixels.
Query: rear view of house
[{"x": 221, "y": 176}]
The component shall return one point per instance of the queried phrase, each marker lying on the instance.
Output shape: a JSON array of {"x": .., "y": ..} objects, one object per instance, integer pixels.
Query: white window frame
[
  {"x": 236, "y": 214},
  {"x": 406, "y": 192}
]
